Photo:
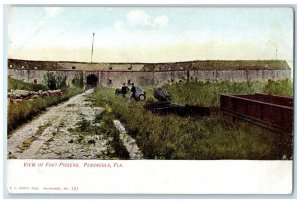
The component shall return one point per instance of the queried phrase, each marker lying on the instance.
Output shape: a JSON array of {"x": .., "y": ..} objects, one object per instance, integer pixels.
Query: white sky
[{"x": 150, "y": 34}]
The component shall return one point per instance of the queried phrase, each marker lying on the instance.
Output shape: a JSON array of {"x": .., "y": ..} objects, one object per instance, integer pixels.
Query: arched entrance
[{"x": 91, "y": 81}]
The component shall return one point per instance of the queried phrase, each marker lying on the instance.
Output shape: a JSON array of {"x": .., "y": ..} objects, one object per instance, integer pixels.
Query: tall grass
[
  {"x": 207, "y": 93},
  {"x": 174, "y": 137},
  {"x": 22, "y": 112},
  {"x": 20, "y": 85},
  {"x": 282, "y": 87}
]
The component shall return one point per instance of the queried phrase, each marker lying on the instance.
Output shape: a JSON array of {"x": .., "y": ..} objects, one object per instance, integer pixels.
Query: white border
[
  {"x": 156, "y": 2},
  {"x": 149, "y": 177}
]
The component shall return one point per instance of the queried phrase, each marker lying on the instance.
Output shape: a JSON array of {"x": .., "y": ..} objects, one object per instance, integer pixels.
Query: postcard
[{"x": 150, "y": 100}]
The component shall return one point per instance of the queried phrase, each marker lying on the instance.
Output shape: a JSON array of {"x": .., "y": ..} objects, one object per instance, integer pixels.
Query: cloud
[
  {"x": 139, "y": 17},
  {"x": 161, "y": 21},
  {"x": 53, "y": 11}
]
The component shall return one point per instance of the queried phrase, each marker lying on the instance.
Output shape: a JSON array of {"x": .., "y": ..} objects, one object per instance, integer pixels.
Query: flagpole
[{"x": 92, "y": 48}]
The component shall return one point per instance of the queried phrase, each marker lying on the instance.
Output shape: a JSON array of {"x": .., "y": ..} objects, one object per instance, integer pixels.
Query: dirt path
[{"x": 51, "y": 136}]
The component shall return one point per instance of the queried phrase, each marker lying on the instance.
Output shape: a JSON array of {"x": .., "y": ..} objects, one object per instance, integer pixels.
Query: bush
[
  {"x": 54, "y": 82},
  {"x": 282, "y": 87},
  {"x": 78, "y": 81}
]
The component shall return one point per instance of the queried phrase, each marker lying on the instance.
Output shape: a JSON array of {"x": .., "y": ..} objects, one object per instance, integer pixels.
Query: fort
[{"x": 150, "y": 74}]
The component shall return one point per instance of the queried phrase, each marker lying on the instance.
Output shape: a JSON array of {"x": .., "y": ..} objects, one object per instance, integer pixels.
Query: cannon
[
  {"x": 139, "y": 94},
  {"x": 165, "y": 106},
  {"x": 161, "y": 95}
]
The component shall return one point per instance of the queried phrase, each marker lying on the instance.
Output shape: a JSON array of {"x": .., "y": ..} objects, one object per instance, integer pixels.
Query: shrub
[
  {"x": 282, "y": 87},
  {"x": 78, "y": 81},
  {"x": 52, "y": 81}
]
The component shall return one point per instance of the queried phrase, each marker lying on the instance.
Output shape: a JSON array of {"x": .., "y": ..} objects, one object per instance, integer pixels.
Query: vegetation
[
  {"x": 242, "y": 64},
  {"x": 78, "y": 81},
  {"x": 20, "y": 85},
  {"x": 20, "y": 113},
  {"x": 105, "y": 127},
  {"x": 207, "y": 93},
  {"x": 53, "y": 82},
  {"x": 220, "y": 65},
  {"x": 200, "y": 65},
  {"x": 214, "y": 137},
  {"x": 282, "y": 87}
]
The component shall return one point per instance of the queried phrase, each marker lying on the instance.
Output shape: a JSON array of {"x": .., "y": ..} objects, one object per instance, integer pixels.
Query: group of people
[{"x": 124, "y": 90}]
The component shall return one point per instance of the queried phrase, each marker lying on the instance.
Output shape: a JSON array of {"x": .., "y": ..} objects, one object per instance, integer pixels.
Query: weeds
[
  {"x": 27, "y": 143},
  {"x": 174, "y": 137},
  {"x": 20, "y": 85},
  {"x": 207, "y": 93},
  {"x": 115, "y": 147},
  {"x": 53, "y": 82},
  {"x": 22, "y": 112},
  {"x": 222, "y": 65},
  {"x": 282, "y": 87}
]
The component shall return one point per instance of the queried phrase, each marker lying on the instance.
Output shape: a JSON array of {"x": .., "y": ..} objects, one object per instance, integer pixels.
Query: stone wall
[
  {"x": 30, "y": 76},
  {"x": 150, "y": 78}
]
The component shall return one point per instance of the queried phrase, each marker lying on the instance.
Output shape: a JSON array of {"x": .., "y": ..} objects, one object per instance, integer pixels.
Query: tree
[
  {"x": 78, "y": 81},
  {"x": 52, "y": 81}
]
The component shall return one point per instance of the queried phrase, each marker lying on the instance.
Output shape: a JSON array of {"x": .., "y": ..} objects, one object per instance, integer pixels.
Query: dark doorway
[{"x": 92, "y": 81}]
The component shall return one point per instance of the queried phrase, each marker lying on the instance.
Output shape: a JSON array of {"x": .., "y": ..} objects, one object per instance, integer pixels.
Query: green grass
[
  {"x": 282, "y": 87},
  {"x": 116, "y": 149},
  {"x": 207, "y": 93},
  {"x": 241, "y": 64},
  {"x": 214, "y": 137},
  {"x": 20, "y": 85},
  {"x": 200, "y": 64},
  {"x": 220, "y": 65},
  {"x": 25, "y": 110}
]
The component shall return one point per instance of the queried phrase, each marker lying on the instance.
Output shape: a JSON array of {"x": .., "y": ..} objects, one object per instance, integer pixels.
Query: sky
[{"x": 150, "y": 34}]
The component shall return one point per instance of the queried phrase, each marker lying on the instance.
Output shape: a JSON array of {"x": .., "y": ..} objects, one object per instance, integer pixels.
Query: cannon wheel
[{"x": 142, "y": 97}]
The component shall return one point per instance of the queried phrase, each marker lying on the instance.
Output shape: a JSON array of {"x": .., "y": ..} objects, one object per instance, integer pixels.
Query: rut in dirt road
[{"x": 51, "y": 135}]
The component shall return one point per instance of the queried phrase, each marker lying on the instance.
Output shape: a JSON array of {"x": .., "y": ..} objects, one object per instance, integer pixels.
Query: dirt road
[{"x": 51, "y": 135}]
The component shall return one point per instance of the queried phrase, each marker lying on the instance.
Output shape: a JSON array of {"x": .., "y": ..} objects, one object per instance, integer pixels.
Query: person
[
  {"x": 133, "y": 90},
  {"x": 124, "y": 90}
]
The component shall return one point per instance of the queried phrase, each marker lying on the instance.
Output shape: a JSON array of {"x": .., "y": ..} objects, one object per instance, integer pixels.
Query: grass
[
  {"x": 220, "y": 65},
  {"x": 115, "y": 147},
  {"x": 282, "y": 87},
  {"x": 241, "y": 64},
  {"x": 27, "y": 143},
  {"x": 214, "y": 137},
  {"x": 207, "y": 93},
  {"x": 20, "y": 85},
  {"x": 200, "y": 65},
  {"x": 25, "y": 110}
]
